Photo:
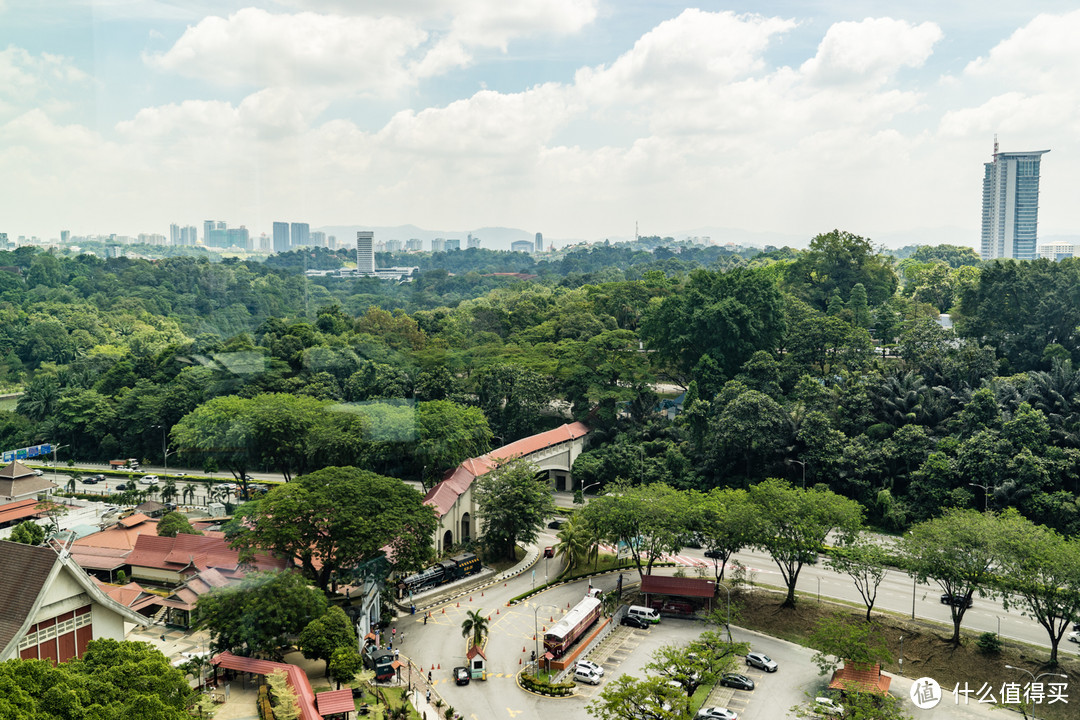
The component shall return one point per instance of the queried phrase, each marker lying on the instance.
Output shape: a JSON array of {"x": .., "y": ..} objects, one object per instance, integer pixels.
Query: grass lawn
[
  {"x": 500, "y": 565},
  {"x": 603, "y": 563}
]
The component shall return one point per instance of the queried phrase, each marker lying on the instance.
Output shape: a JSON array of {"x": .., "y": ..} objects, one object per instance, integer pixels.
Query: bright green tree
[
  {"x": 324, "y": 635},
  {"x": 260, "y": 614},
  {"x": 173, "y": 524},
  {"x": 958, "y": 551},
  {"x": 513, "y": 505},
  {"x": 866, "y": 562},
  {"x": 343, "y": 526},
  {"x": 28, "y": 532},
  {"x": 724, "y": 524},
  {"x": 474, "y": 627},
  {"x": 792, "y": 524}
]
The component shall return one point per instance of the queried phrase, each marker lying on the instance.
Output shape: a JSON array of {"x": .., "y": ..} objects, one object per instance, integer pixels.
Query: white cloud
[
  {"x": 687, "y": 58},
  {"x": 255, "y": 48},
  {"x": 870, "y": 51},
  {"x": 27, "y": 79},
  {"x": 1042, "y": 55}
]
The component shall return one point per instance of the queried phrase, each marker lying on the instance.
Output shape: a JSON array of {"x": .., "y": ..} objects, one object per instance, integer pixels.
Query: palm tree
[
  {"x": 476, "y": 625},
  {"x": 188, "y": 494},
  {"x": 70, "y": 487},
  {"x": 573, "y": 542},
  {"x": 168, "y": 492}
]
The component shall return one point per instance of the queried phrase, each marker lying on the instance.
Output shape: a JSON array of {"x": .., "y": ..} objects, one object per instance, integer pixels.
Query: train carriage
[{"x": 573, "y": 624}]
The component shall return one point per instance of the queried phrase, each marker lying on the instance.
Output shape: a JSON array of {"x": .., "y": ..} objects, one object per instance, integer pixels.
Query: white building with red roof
[{"x": 553, "y": 452}]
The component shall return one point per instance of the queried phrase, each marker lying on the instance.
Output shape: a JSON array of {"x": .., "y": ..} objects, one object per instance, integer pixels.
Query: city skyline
[{"x": 576, "y": 116}]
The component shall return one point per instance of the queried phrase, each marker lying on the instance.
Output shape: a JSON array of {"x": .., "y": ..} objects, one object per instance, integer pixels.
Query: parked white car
[
  {"x": 149, "y": 480},
  {"x": 828, "y": 707},
  {"x": 598, "y": 669}
]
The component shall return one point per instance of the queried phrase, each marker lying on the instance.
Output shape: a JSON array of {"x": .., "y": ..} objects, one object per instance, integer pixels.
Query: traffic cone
[
  {"x": 481, "y": 593},
  {"x": 432, "y": 666},
  {"x": 444, "y": 609},
  {"x": 551, "y": 619},
  {"x": 496, "y": 611},
  {"x": 470, "y": 598},
  {"x": 519, "y": 661},
  {"x": 489, "y": 618},
  {"x": 459, "y": 605},
  {"x": 568, "y": 605},
  {"x": 440, "y": 666},
  {"x": 522, "y": 648}
]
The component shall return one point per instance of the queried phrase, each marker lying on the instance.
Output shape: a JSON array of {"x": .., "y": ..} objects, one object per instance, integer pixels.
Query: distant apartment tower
[
  {"x": 300, "y": 234},
  {"x": 365, "y": 252},
  {"x": 413, "y": 245},
  {"x": 1010, "y": 207},
  {"x": 539, "y": 242},
  {"x": 189, "y": 235},
  {"x": 393, "y": 246},
  {"x": 522, "y": 246},
  {"x": 453, "y": 244},
  {"x": 281, "y": 237},
  {"x": 438, "y": 245},
  {"x": 65, "y": 236},
  {"x": 318, "y": 239},
  {"x": 238, "y": 237},
  {"x": 472, "y": 242},
  {"x": 174, "y": 234}
]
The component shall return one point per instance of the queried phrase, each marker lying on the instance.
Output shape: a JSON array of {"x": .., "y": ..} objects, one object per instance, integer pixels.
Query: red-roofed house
[
  {"x": 172, "y": 560},
  {"x": 862, "y": 678},
  {"x": 51, "y": 608},
  {"x": 553, "y": 451}
]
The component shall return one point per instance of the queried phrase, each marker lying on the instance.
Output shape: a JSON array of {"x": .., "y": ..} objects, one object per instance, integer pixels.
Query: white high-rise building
[
  {"x": 1010, "y": 207},
  {"x": 365, "y": 252}
]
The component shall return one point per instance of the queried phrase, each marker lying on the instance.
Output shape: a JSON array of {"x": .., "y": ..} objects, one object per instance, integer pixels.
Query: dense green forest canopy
[{"x": 701, "y": 367}]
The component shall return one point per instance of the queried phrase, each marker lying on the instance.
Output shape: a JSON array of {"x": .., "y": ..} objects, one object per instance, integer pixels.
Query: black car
[
  {"x": 121, "y": 487},
  {"x": 636, "y": 622},
  {"x": 90, "y": 480},
  {"x": 735, "y": 680},
  {"x": 714, "y": 554},
  {"x": 461, "y": 675},
  {"x": 955, "y": 600},
  {"x": 556, "y": 524}
]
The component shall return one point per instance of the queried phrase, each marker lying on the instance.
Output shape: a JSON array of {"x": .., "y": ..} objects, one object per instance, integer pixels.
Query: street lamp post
[
  {"x": 536, "y": 638},
  {"x": 165, "y": 452},
  {"x": 728, "y": 622},
  {"x": 1035, "y": 679},
  {"x": 901, "y": 654},
  {"x": 55, "y": 448}
]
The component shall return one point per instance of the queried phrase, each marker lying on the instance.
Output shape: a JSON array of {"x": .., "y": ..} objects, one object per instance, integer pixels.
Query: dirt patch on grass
[{"x": 927, "y": 650}]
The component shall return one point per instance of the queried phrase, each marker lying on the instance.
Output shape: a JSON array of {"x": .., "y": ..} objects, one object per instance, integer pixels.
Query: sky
[{"x": 575, "y": 118}]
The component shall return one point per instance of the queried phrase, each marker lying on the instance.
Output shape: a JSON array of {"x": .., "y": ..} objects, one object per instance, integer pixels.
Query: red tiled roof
[
  {"x": 118, "y": 536},
  {"x": 335, "y": 701},
  {"x": 19, "y": 510},
  {"x": 474, "y": 651},
  {"x": 681, "y": 587},
  {"x": 203, "y": 553},
  {"x": 861, "y": 677},
  {"x": 443, "y": 496},
  {"x": 99, "y": 558},
  {"x": 304, "y": 695},
  {"x": 133, "y": 520}
]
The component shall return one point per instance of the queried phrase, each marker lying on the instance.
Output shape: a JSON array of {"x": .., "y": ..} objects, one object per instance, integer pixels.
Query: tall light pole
[
  {"x": 585, "y": 489},
  {"x": 1035, "y": 679},
  {"x": 536, "y": 638},
  {"x": 55, "y": 448},
  {"x": 901, "y": 654},
  {"x": 728, "y": 622}
]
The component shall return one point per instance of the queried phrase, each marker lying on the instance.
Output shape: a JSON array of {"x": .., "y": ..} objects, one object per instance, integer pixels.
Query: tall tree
[
  {"x": 839, "y": 260},
  {"x": 259, "y": 615},
  {"x": 957, "y": 551},
  {"x": 718, "y": 320},
  {"x": 794, "y": 522},
  {"x": 865, "y": 561},
  {"x": 649, "y": 521},
  {"x": 326, "y": 634},
  {"x": 474, "y": 627},
  {"x": 1039, "y": 573},
  {"x": 724, "y": 524},
  {"x": 513, "y": 505},
  {"x": 343, "y": 527}
]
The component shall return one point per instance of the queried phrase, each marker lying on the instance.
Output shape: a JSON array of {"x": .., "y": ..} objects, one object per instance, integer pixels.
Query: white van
[{"x": 648, "y": 614}]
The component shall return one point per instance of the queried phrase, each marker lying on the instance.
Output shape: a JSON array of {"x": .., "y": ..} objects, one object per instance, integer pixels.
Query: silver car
[{"x": 761, "y": 661}]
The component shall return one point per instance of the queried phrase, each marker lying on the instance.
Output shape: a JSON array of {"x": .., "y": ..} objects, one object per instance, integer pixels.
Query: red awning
[
  {"x": 332, "y": 702},
  {"x": 297, "y": 679},
  {"x": 678, "y": 587}
]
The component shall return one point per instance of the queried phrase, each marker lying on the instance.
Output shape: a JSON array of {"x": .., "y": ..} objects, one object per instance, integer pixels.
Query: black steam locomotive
[{"x": 442, "y": 573}]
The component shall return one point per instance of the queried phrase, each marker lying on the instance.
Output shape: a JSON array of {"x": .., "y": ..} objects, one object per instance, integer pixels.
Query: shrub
[{"x": 989, "y": 643}]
